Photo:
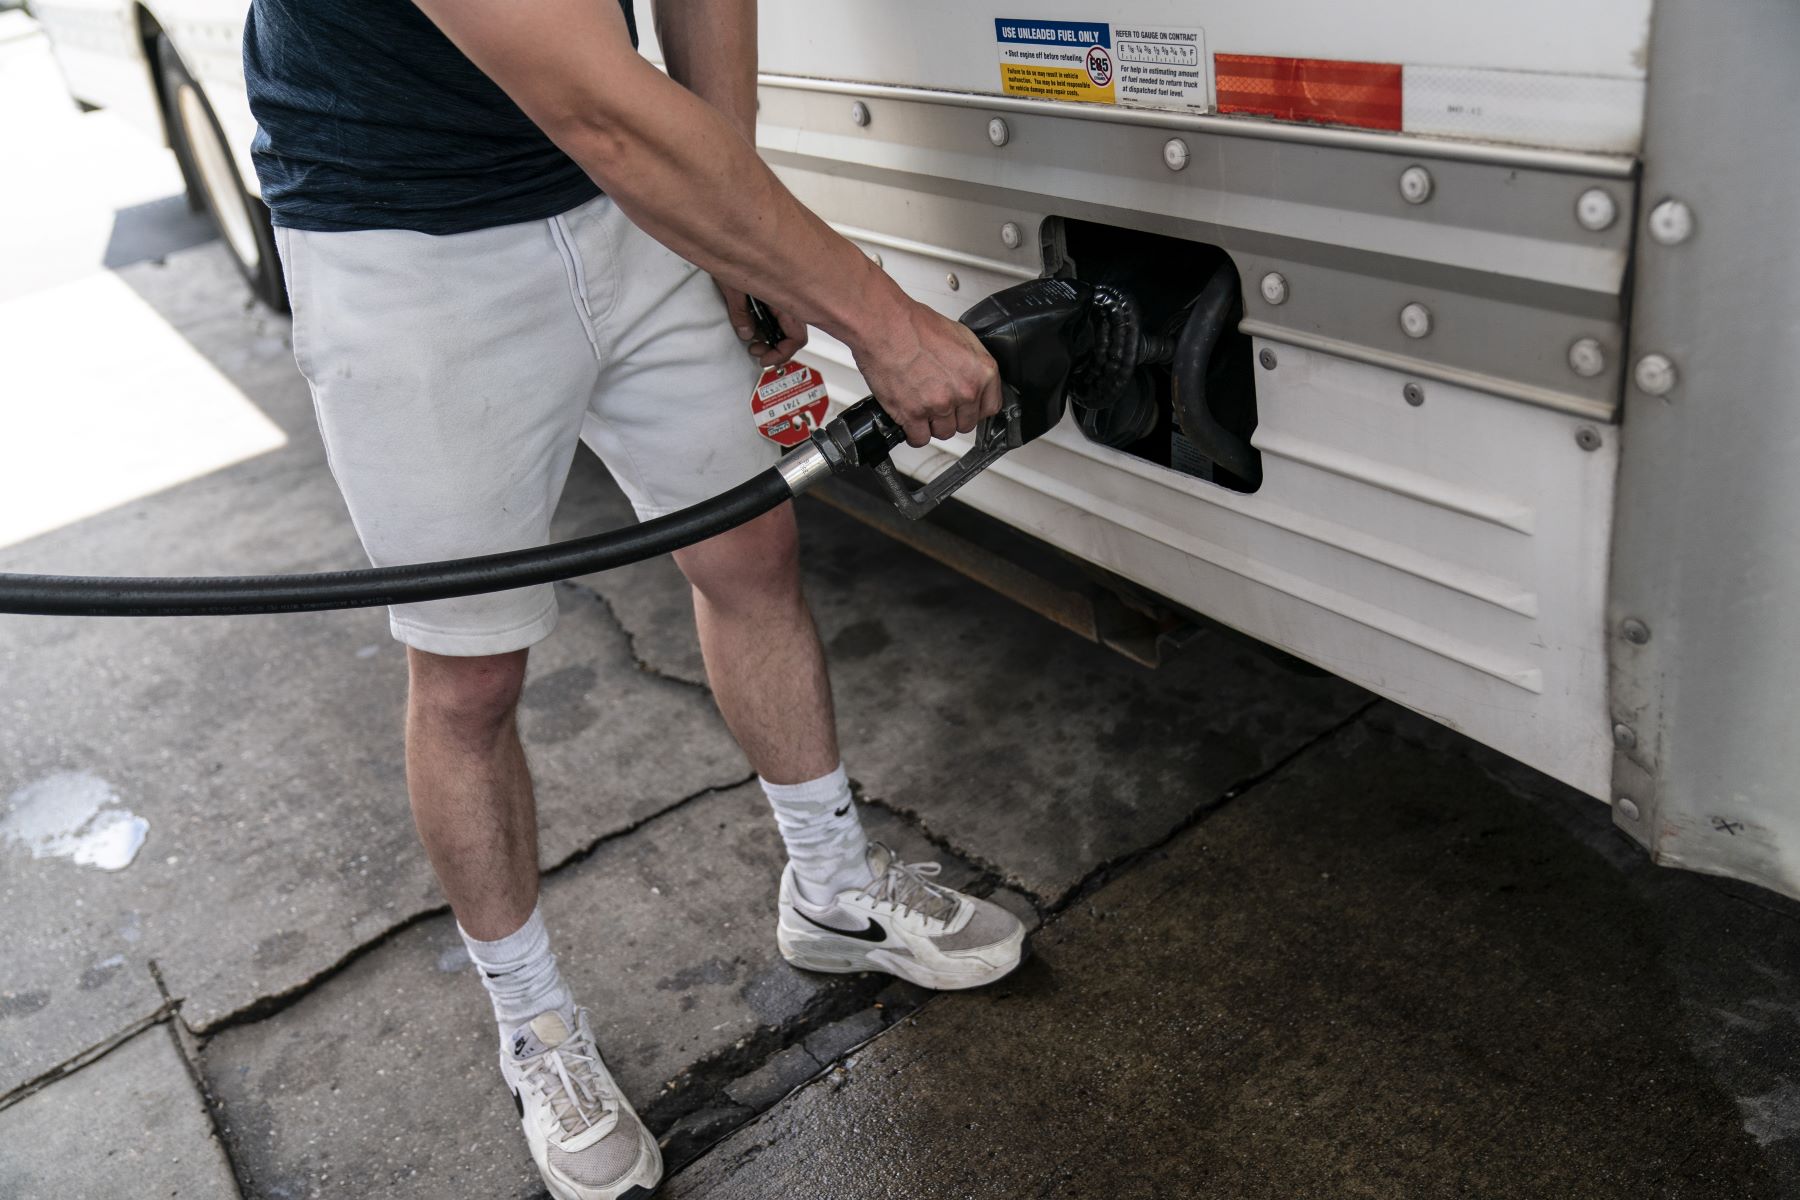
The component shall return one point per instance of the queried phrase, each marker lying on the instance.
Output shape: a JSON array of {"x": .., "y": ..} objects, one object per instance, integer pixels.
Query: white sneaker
[
  {"x": 901, "y": 923},
  {"x": 586, "y": 1140}
]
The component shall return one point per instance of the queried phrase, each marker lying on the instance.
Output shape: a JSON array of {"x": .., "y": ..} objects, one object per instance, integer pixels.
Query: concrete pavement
[
  {"x": 1294, "y": 943},
  {"x": 1385, "y": 971},
  {"x": 64, "y": 1142}
]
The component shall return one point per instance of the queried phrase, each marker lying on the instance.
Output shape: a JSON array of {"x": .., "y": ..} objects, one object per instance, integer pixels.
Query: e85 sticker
[{"x": 789, "y": 403}]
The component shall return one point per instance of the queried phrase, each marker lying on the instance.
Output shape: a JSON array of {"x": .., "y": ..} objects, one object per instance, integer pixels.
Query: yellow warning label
[
  {"x": 1056, "y": 60},
  {"x": 1052, "y": 83}
]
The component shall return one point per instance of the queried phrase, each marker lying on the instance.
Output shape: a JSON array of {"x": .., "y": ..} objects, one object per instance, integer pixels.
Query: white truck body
[{"x": 1478, "y": 498}]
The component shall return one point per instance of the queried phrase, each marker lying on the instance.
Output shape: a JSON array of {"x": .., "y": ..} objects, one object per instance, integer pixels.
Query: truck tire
[{"x": 241, "y": 217}]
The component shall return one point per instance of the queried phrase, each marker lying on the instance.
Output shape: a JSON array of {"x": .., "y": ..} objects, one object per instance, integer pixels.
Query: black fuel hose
[
  {"x": 114, "y": 596},
  {"x": 1032, "y": 329},
  {"x": 861, "y": 436}
]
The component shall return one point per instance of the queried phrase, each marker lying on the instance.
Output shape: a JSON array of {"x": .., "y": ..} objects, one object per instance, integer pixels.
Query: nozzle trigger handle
[
  {"x": 993, "y": 437},
  {"x": 862, "y": 435}
]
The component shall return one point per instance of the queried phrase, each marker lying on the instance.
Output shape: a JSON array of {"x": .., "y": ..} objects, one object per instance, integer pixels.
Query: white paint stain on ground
[{"x": 77, "y": 816}]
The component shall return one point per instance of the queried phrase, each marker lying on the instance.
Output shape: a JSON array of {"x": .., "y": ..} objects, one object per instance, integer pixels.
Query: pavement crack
[
  {"x": 695, "y": 1111},
  {"x": 92, "y": 1054},
  {"x": 583, "y": 853},
  {"x": 898, "y": 1003},
  {"x": 267, "y": 1006},
  {"x": 1103, "y": 873},
  {"x": 708, "y": 1077},
  {"x": 631, "y": 642},
  {"x": 188, "y": 1048},
  {"x": 162, "y": 987},
  {"x": 990, "y": 875},
  {"x": 994, "y": 874}
]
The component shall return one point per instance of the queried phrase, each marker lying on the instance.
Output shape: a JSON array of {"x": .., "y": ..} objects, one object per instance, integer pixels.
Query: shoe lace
[
  {"x": 571, "y": 1083},
  {"x": 909, "y": 887}
]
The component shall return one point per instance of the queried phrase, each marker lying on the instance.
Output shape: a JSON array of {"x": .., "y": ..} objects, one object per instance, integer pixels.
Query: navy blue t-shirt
[{"x": 370, "y": 118}]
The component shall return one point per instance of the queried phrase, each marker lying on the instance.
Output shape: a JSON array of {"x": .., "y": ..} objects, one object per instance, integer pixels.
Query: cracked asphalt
[{"x": 1291, "y": 940}]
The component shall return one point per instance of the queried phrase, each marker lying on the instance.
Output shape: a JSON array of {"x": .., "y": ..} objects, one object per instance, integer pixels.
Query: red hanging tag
[{"x": 789, "y": 403}]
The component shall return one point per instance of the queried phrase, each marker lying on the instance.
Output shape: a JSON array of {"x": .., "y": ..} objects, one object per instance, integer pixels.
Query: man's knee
[
  {"x": 749, "y": 567},
  {"x": 474, "y": 695}
]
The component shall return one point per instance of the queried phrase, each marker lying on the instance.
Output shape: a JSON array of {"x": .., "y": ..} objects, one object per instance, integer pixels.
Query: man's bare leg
[
  {"x": 472, "y": 801},
  {"x": 768, "y": 674},
  {"x": 767, "y": 671},
  {"x": 762, "y": 651},
  {"x": 470, "y": 787}
]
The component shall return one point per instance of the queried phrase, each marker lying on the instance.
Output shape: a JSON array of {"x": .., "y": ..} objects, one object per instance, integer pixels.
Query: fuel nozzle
[{"x": 1039, "y": 334}]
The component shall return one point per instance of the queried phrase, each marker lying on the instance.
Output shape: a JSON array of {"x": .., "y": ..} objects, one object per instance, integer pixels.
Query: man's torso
[{"x": 370, "y": 118}]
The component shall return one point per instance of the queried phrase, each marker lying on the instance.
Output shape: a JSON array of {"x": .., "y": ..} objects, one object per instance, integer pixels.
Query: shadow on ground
[{"x": 154, "y": 230}]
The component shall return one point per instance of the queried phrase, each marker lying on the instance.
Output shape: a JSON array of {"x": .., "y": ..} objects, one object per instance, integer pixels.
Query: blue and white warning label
[{"x": 1100, "y": 63}]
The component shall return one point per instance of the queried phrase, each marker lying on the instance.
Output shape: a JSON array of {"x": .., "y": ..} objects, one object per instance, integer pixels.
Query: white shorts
[{"x": 453, "y": 377}]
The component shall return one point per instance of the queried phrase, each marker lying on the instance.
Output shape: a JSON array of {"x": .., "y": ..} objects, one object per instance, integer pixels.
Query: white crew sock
[
  {"x": 520, "y": 975},
  {"x": 825, "y": 840}
]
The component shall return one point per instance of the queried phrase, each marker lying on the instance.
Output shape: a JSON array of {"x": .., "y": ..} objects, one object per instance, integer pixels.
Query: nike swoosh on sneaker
[
  {"x": 838, "y": 812},
  {"x": 872, "y": 932}
]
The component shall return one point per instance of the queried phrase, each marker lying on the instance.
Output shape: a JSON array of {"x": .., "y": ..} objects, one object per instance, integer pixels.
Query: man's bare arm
[
  {"x": 709, "y": 47},
  {"x": 684, "y": 174}
]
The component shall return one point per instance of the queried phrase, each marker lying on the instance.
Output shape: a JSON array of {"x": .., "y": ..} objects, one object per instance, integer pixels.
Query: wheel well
[{"x": 149, "y": 29}]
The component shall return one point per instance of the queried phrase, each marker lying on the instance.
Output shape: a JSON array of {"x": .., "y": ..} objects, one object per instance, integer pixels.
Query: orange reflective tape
[{"x": 1328, "y": 91}]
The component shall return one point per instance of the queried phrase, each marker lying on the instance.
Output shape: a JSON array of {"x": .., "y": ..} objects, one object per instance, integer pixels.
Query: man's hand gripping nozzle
[{"x": 1040, "y": 334}]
